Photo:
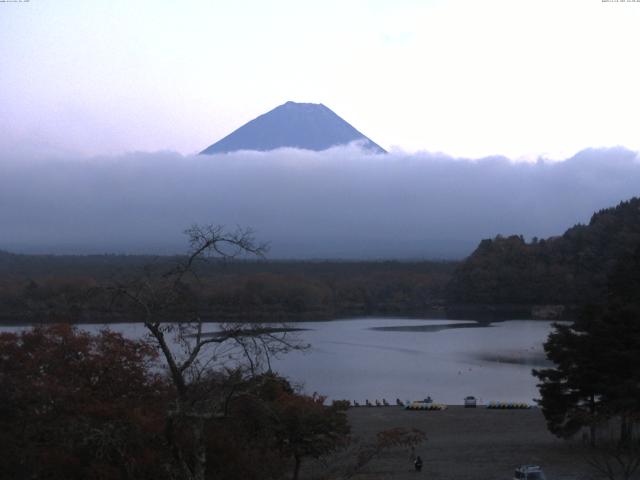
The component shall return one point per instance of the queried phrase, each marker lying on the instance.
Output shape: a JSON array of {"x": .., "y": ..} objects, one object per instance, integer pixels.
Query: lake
[{"x": 375, "y": 358}]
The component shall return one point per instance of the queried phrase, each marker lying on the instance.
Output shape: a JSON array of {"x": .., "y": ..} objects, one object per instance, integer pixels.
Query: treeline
[
  {"x": 506, "y": 276},
  {"x": 569, "y": 270},
  {"x": 76, "y": 288}
]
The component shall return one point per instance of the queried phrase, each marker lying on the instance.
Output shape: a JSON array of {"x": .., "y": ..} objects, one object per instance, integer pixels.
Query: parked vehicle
[{"x": 529, "y": 472}]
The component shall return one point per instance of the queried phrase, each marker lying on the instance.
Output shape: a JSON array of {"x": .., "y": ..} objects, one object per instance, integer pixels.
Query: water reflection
[
  {"x": 375, "y": 358},
  {"x": 379, "y": 358},
  {"x": 432, "y": 328}
]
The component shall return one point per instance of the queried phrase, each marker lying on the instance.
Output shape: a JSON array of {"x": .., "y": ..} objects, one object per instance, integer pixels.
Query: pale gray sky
[{"x": 465, "y": 77}]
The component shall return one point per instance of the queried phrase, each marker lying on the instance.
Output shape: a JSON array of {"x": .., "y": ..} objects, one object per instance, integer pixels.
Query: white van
[{"x": 529, "y": 472}]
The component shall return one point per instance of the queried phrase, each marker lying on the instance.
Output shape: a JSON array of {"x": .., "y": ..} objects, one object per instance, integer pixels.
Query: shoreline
[{"x": 469, "y": 321}]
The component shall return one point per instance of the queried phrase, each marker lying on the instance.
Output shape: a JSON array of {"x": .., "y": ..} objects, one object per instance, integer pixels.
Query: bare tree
[
  {"x": 199, "y": 363},
  {"x": 617, "y": 456},
  {"x": 615, "y": 460}
]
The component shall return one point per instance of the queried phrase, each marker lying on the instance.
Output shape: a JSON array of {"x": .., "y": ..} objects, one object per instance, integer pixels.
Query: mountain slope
[{"x": 308, "y": 126}]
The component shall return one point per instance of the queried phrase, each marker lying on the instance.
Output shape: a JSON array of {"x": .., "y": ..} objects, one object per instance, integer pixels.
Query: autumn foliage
[{"x": 75, "y": 405}]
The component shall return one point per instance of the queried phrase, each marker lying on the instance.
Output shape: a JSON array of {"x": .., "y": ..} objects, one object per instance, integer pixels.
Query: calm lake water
[{"x": 375, "y": 358}]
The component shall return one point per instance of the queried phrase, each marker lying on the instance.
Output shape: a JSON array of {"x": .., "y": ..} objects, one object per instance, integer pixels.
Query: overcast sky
[{"x": 471, "y": 78}]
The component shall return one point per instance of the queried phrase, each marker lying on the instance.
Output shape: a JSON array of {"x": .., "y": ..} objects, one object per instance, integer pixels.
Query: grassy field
[{"x": 470, "y": 444}]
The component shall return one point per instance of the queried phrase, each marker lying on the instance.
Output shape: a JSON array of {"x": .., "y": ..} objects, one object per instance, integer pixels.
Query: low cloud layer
[{"x": 341, "y": 203}]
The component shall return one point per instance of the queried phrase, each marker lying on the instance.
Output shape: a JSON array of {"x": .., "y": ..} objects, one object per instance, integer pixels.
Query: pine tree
[{"x": 596, "y": 376}]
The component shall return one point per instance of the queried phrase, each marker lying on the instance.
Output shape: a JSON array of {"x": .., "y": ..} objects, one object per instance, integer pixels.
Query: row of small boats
[
  {"x": 508, "y": 405},
  {"x": 425, "y": 406},
  {"x": 377, "y": 403},
  {"x": 428, "y": 404}
]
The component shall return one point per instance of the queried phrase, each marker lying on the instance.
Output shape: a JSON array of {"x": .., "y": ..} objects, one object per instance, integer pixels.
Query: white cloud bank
[{"x": 341, "y": 203}]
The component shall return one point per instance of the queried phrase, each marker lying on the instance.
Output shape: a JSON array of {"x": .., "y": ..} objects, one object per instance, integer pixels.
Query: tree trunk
[
  {"x": 626, "y": 430},
  {"x": 592, "y": 424},
  {"x": 199, "y": 450},
  {"x": 192, "y": 465},
  {"x": 296, "y": 467}
]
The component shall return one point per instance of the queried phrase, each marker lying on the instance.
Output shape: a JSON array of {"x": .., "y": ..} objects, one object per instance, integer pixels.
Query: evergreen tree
[
  {"x": 596, "y": 375},
  {"x": 572, "y": 391}
]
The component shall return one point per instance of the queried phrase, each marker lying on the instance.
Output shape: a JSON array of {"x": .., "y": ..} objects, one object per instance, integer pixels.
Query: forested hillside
[
  {"x": 570, "y": 270},
  {"x": 35, "y": 288}
]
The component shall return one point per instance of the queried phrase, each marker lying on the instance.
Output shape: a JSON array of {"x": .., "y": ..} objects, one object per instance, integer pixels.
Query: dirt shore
[{"x": 466, "y": 443}]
